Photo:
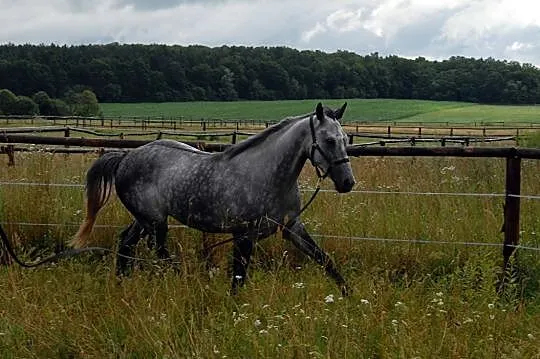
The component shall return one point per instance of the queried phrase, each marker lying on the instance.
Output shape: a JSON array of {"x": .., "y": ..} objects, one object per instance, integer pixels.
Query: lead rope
[
  {"x": 68, "y": 253},
  {"x": 320, "y": 177},
  {"x": 292, "y": 219}
]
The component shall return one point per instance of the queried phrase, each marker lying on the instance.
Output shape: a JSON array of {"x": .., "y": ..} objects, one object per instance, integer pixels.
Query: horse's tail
[{"x": 99, "y": 185}]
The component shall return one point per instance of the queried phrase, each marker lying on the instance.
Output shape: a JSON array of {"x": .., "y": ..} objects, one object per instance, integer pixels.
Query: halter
[{"x": 315, "y": 147}]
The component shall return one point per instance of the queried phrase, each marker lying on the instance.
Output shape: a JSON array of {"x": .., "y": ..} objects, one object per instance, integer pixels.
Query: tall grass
[{"x": 409, "y": 300}]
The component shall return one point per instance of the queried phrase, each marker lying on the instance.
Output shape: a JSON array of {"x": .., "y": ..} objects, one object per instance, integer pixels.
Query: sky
[{"x": 434, "y": 29}]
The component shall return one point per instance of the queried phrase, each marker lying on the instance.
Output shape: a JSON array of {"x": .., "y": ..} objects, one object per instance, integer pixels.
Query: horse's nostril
[{"x": 348, "y": 184}]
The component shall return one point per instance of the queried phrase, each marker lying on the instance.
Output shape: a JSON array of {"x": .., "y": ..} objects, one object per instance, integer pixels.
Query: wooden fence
[
  {"x": 375, "y": 138},
  {"x": 205, "y": 124}
]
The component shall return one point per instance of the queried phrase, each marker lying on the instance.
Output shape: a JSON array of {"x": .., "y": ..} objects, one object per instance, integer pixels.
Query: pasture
[
  {"x": 423, "y": 264},
  {"x": 365, "y": 110},
  {"x": 409, "y": 299}
]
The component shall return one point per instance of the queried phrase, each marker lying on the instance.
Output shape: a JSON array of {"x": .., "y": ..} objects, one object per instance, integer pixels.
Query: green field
[
  {"x": 376, "y": 110},
  {"x": 409, "y": 301}
]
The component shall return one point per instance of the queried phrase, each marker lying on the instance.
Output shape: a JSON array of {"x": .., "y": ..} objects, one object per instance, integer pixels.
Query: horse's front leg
[
  {"x": 242, "y": 249},
  {"x": 296, "y": 233}
]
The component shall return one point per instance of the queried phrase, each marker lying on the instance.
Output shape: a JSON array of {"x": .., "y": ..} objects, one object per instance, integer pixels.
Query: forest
[{"x": 158, "y": 73}]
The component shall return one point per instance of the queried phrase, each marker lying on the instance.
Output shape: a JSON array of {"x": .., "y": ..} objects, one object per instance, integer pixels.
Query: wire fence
[
  {"x": 315, "y": 235},
  {"x": 351, "y": 238},
  {"x": 377, "y": 192}
]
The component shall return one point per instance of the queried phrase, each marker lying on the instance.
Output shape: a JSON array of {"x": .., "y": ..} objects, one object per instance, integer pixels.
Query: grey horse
[{"x": 249, "y": 190}]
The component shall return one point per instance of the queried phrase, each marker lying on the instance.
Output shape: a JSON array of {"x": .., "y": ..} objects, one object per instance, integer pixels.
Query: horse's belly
[{"x": 227, "y": 220}]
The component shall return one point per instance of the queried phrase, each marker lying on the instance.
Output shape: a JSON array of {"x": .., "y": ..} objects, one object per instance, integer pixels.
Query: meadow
[
  {"x": 409, "y": 300},
  {"x": 435, "y": 299},
  {"x": 361, "y": 110}
]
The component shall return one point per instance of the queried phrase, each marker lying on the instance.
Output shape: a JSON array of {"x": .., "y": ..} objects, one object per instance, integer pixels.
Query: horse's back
[
  {"x": 177, "y": 146},
  {"x": 159, "y": 163}
]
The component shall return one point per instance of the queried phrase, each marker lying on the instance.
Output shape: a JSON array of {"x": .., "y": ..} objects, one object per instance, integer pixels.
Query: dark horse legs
[
  {"x": 297, "y": 234},
  {"x": 242, "y": 249},
  {"x": 131, "y": 236},
  {"x": 128, "y": 239}
]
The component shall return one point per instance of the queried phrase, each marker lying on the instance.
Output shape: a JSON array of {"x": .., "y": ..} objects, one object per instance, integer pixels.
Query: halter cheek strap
[{"x": 321, "y": 174}]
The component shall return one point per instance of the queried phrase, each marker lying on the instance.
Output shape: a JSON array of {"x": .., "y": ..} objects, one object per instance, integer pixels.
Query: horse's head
[{"x": 328, "y": 151}]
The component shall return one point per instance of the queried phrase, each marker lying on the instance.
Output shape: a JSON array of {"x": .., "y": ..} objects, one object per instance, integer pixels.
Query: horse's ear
[
  {"x": 339, "y": 113},
  {"x": 319, "y": 111}
]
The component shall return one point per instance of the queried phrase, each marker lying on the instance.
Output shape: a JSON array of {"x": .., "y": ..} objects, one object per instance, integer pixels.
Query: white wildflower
[
  {"x": 364, "y": 301},
  {"x": 329, "y": 298}
]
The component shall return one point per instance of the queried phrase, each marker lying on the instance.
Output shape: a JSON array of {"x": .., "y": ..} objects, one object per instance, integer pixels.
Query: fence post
[
  {"x": 66, "y": 134},
  {"x": 351, "y": 138},
  {"x": 233, "y": 141},
  {"x": 511, "y": 207},
  {"x": 10, "y": 151},
  {"x": 389, "y": 131}
]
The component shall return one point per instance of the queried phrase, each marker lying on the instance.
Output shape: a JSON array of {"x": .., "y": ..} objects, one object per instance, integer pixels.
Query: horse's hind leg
[
  {"x": 297, "y": 234},
  {"x": 128, "y": 239},
  {"x": 161, "y": 230},
  {"x": 243, "y": 247}
]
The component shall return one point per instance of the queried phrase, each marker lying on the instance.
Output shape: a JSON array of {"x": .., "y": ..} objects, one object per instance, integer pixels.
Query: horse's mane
[{"x": 240, "y": 147}]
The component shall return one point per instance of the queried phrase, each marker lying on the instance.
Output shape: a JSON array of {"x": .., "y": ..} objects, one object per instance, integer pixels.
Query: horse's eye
[{"x": 331, "y": 141}]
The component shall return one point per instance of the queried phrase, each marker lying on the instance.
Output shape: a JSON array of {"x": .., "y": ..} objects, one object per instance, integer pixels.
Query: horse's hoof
[{"x": 345, "y": 291}]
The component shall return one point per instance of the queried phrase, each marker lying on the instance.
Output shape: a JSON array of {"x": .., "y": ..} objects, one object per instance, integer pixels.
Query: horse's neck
[{"x": 284, "y": 151}]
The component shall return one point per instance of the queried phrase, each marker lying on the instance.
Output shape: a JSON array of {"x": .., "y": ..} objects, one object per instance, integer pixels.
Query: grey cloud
[
  {"x": 263, "y": 23},
  {"x": 164, "y": 4}
]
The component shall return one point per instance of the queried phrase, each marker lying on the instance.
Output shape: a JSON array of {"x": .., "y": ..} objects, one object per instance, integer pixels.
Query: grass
[
  {"x": 409, "y": 300},
  {"x": 371, "y": 110}
]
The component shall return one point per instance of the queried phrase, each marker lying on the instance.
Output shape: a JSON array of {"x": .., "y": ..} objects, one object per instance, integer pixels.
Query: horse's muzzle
[{"x": 346, "y": 186}]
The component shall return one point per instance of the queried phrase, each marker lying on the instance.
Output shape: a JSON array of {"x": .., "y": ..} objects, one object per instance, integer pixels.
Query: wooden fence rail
[
  {"x": 513, "y": 165},
  {"x": 384, "y": 139},
  {"x": 176, "y": 122}
]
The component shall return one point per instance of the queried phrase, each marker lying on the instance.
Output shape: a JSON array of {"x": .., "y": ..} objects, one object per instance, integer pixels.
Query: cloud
[
  {"x": 520, "y": 46},
  {"x": 345, "y": 20},
  {"x": 508, "y": 29},
  {"x": 309, "y": 34}
]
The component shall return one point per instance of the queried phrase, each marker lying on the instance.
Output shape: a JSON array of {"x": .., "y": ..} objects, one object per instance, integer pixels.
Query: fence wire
[
  {"x": 408, "y": 193},
  {"x": 315, "y": 235}
]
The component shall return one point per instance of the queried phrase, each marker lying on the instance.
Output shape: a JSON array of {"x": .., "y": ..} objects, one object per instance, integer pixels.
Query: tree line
[
  {"x": 84, "y": 103},
  {"x": 156, "y": 73}
]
